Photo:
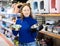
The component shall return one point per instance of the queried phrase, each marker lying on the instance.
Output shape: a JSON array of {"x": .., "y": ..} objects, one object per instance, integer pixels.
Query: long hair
[{"x": 22, "y": 16}]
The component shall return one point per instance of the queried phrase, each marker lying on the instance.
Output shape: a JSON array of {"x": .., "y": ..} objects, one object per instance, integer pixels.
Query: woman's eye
[{"x": 24, "y": 10}]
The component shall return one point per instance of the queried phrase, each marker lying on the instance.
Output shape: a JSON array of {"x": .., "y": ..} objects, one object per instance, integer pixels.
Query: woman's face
[{"x": 26, "y": 11}]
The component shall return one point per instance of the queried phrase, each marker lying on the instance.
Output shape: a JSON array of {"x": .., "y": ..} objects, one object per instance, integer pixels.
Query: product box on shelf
[
  {"x": 35, "y": 6},
  {"x": 40, "y": 6},
  {"x": 54, "y": 6},
  {"x": 43, "y": 6}
]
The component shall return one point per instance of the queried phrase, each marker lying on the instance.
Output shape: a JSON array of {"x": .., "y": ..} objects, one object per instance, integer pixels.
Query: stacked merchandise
[
  {"x": 45, "y": 6},
  {"x": 6, "y": 36},
  {"x": 54, "y": 6},
  {"x": 40, "y": 19}
]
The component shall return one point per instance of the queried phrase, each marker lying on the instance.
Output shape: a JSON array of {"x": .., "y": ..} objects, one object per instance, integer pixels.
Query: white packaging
[
  {"x": 43, "y": 6},
  {"x": 35, "y": 6},
  {"x": 54, "y": 6}
]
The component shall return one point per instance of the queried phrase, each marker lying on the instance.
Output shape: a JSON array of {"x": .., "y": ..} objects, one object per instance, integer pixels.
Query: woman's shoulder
[
  {"x": 18, "y": 19},
  {"x": 33, "y": 19}
]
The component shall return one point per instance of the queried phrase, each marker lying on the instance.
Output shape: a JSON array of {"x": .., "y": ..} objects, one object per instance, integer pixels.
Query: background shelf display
[
  {"x": 5, "y": 41},
  {"x": 8, "y": 21},
  {"x": 40, "y": 19},
  {"x": 54, "y": 6},
  {"x": 43, "y": 6},
  {"x": 52, "y": 15},
  {"x": 35, "y": 6},
  {"x": 7, "y": 31},
  {"x": 40, "y": 6}
]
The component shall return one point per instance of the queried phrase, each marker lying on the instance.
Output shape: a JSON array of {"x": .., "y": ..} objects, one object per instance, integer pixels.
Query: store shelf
[
  {"x": 51, "y": 34},
  {"x": 8, "y": 29},
  {"x": 8, "y": 21},
  {"x": 48, "y": 14}
]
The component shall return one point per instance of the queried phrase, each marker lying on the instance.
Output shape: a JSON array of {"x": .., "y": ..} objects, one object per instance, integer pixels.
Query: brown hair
[{"x": 22, "y": 16}]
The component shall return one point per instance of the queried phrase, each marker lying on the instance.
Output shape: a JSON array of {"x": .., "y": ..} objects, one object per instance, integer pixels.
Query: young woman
[{"x": 26, "y": 37}]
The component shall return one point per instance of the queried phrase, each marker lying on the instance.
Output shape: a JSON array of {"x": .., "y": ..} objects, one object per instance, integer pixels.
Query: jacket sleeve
[
  {"x": 15, "y": 32},
  {"x": 33, "y": 21},
  {"x": 34, "y": 34}
]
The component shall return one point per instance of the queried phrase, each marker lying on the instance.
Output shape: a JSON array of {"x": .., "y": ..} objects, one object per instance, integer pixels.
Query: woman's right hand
[{"x": 15, "y": 29}]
